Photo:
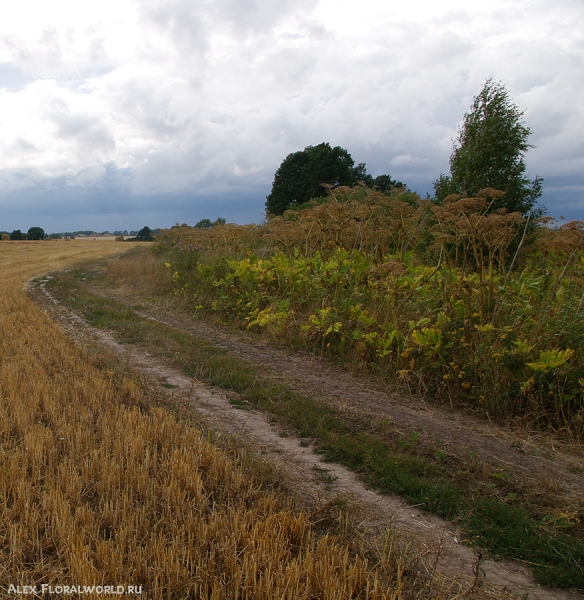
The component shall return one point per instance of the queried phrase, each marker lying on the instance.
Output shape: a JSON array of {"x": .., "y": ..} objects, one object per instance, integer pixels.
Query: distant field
[
  {"x": 25, "y": 259},
  {"x": 99, "y": 238}
]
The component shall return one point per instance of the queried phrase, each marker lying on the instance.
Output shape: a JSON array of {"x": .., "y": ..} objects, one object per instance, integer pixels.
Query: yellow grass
[{"x": 98, "y": 489}]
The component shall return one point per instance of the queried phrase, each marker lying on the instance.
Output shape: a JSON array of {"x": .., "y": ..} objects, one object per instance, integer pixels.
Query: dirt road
[{"x": 318, "y": 483}]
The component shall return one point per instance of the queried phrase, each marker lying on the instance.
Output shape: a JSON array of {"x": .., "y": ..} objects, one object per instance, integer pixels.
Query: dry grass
[
  {"x": 149, "y": 276},
  {"x": 99, "y": 489}
]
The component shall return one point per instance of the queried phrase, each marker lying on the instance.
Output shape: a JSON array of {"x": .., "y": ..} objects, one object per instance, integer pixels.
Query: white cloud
[{"x": 407, "y": 160}]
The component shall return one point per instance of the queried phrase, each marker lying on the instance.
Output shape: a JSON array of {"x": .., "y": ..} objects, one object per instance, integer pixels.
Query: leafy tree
[
  {"x": 144, "y": 235},
  {"x": 489, "y": 151},
  {"x": 204, "y": 224},
  {"x": 17, "y": 235},
  {"x": 384, "y": 183},
  {"x": 207, "y": 223},
  {"x": 301, "y": 173},
  {"x": 36, "y": 233}
]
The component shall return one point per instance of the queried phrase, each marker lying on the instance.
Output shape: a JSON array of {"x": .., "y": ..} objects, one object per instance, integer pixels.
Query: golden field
[{"x": 101, "y": 487}]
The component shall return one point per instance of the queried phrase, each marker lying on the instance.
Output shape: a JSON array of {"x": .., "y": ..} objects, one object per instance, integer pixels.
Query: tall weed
[{"x": 427, "y": 296}]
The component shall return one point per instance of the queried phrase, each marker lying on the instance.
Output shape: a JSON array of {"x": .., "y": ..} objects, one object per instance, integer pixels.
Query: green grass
[{"x": 493, "y": 510}]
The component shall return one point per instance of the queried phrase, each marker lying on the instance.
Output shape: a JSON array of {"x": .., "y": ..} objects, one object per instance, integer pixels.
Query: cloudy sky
[{"x": 118, "y": 114}]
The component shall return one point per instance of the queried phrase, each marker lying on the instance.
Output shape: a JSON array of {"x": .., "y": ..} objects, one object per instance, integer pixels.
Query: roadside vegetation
[{"x": 453, "y": 302}]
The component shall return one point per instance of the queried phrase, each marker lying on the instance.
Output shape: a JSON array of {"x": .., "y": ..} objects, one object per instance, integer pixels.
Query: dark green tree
[
  {"x": 17, "y": 235},
  {"x": 144, "y": 235},
  {"x": 204, "y": 224},
  {"x": 301, "y": 174},
  {"x": 208, "y": 224},
  {"x": 36, "y": 233},
  {"x": 385, "y": 183},
  {"x": 489, "y": 153}
]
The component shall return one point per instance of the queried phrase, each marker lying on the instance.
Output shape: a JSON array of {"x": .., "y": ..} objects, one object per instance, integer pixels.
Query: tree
[
  {"x": 489, "y": 151},
  {"x": 144, "y": 235},
  {"x": 204, "y": 224},
  {"x": 17, "y": 235},
  {"x": 384, "y": 183},
  {"x": 208, "y": 224},
  {"x": 301, "y": 174},
  {"x": 36, "y": 233}
]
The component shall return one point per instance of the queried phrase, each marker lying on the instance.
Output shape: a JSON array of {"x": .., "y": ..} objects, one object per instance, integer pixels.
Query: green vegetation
[
  {"x": 207, "y": 223},
  {"x": 427, "y": 296},
  {"x": 144, "y": 235},
  {"x": 489, "y": 152},
  {"x": 36, "y": 233},
  {"x": 302, "y": 175},
  {"x": 498, "y": 511}
]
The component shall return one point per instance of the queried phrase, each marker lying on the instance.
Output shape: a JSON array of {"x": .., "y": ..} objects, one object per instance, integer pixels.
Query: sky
[{"x": 119, "y": 113}]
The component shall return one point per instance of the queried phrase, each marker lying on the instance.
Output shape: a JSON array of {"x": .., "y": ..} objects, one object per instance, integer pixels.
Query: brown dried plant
[{"x": 357, "y": 218}]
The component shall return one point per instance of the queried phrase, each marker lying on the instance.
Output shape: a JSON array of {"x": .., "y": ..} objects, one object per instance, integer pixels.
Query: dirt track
[{"x": 318, "y": 483}]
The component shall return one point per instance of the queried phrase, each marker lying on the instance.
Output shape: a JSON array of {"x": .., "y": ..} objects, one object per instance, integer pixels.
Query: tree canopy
[
  {"x": 301, "y": 175},
  {"x": 36, "y": 233},
  {"x": 383, "y": 183},
  {"x": 144, "y": 235},
  {"x": 207, "y": 223},
  {"x": 489, "y": 153}
]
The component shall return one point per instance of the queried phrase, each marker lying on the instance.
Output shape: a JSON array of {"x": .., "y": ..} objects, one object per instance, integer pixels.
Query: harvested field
[{"x": 103, "y": 486}]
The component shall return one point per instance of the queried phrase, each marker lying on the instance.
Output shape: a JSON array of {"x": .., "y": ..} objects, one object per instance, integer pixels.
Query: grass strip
[{"x": 506, "y": 530}]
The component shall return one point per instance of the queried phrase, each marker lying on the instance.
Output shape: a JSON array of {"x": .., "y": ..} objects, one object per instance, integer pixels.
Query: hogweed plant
[{"x": 455, "y": 301}]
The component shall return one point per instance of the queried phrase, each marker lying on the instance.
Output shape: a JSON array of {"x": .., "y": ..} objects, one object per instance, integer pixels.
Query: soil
[{"x": 318, "y": 483}]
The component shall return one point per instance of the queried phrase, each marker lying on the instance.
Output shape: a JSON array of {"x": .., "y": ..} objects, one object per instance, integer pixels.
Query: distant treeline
[
  {"x": 38, "y": 233},
  {"x": 90, "y": 232}
]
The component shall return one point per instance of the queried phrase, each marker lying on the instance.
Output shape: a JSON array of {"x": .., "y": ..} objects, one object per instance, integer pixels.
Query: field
[{"x": 103, "y": 486}]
